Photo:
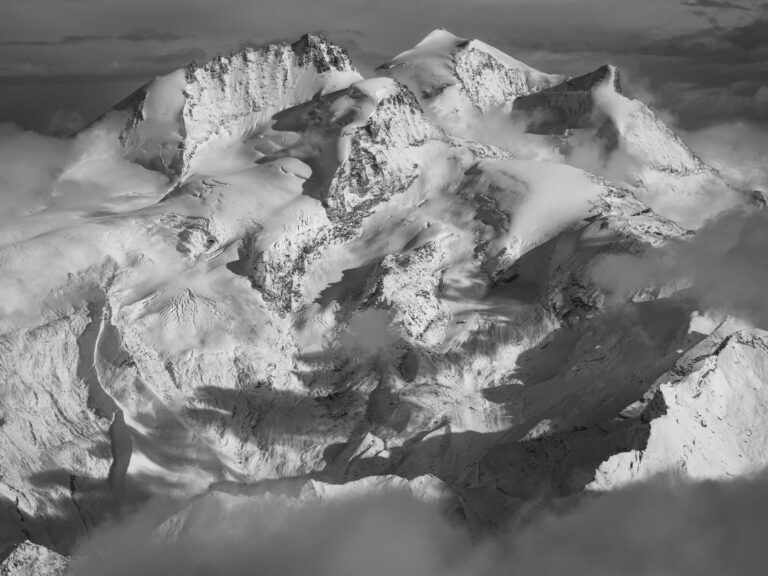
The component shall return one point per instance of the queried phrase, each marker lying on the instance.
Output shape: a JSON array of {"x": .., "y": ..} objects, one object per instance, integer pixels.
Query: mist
[
  {"x": 664, "y": 526},
  {"x": 29, "y": 164},
  {"x": 723, "y": 266},
  {"x": 737, "y": 149},
  {"x": 51, "y": 190}
]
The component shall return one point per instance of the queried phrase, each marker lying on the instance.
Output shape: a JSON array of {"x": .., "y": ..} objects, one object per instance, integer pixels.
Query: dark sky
[{"x": 702, "y": 62}]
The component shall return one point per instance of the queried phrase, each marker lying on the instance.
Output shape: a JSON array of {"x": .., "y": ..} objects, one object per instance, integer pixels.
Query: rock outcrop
[{"x": 28, "y": 559}]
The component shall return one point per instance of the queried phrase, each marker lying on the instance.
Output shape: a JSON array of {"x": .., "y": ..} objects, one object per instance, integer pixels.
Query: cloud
[
  {"x": 369, "y": 331},
  {"x": 169, "y": 60},
  {"x": 137, "y": 35},
  {"x": 379, "y": 536},
  {"x": 714, "y": 4},
  {"x": 66, "y": 40},
  {"x": 737, "y": 149},
  {"x": 666, "y": 526},
  {"x": 697, "y": 106},
  {"x": 749, "y": 37},
  {"x": 662, "y": 527},
  {"x": 724, "y": 265},
  {"x": 747, "y": 42},
  {"x": 149, "y": 35},
  {"x": 728, "y": 265},
  {"x": 29, "y": 164},
  {"x": 65, "y": 122}
]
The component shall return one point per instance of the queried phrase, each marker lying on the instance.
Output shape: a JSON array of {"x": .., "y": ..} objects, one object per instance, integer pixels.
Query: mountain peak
[
  {"x": 440, "y": 35},
  {"x": 606, "y": 75},
  {"x": 569, "y": 105},
  {"x": 219, "y": 103},
  {"x": 463, "y": 73},
  {"x": 324, "y": 54}
]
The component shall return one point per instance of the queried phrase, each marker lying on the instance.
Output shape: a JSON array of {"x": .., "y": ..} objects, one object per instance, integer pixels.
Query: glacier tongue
[{"x": 337, "y": 288}]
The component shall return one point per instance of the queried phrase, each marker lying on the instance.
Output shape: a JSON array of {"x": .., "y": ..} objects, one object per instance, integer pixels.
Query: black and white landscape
[{"x": 278, "y": 312}]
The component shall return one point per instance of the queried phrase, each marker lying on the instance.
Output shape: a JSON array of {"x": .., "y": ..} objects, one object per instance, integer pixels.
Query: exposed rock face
[
  {"x": 28, "y": 559},
  {"x": 595, "y": 101},
  {"x": 55, "y": 468},
  {"x": 377, "y": 166},
  {"x": 567, "y": 106},
  {"x": 277, "y": 270},
  {"x": 369, "y": 127},
  {"x": 372, "y": 134},
  {"x": 713, "y": 420},
  {"x": 492, "y": 79},
  {"x": 175, "y": 118},
  {"x": 415, "y": 306},
  {"x": 323, "y": 55},
  {"x": 620, "y": 225},
  {"x": 338, "y": 286}
]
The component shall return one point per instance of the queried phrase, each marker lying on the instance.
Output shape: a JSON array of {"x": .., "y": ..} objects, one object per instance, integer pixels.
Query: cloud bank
[
  {"x": 724, "y": 265},
  {"x": 738, "y": 150},
  {"x": 715, "y": 47},
  {"x": 665, "y": 526}
]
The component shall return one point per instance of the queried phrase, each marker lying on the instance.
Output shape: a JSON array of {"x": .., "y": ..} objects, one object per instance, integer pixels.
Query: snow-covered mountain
[
  {"x": 202, "y": 113},
  {"x": 452, "y": 73},
  {"x": 265, "y": 273}
]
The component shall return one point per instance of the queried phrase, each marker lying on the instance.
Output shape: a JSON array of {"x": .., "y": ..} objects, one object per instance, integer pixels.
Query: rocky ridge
[{"x": 176, "y": 117}]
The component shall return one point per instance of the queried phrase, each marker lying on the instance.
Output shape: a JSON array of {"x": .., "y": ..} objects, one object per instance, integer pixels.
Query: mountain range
[{"x": 268, "y": 275}]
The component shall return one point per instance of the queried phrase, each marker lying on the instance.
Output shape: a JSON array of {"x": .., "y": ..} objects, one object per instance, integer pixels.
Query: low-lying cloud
[
  {"x": 738, "y": 150},
  {"x": 29, "y": 164},
  {"x": 665, "y": 526},
  {"x": 724, "y": 265}
]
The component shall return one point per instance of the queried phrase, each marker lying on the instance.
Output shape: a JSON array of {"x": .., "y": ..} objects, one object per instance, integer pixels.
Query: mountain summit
[{"x": 177, "y": 120}]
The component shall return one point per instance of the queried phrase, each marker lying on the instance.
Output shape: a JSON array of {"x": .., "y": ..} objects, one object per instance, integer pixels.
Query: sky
[{"x": 702, "y": 62}]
